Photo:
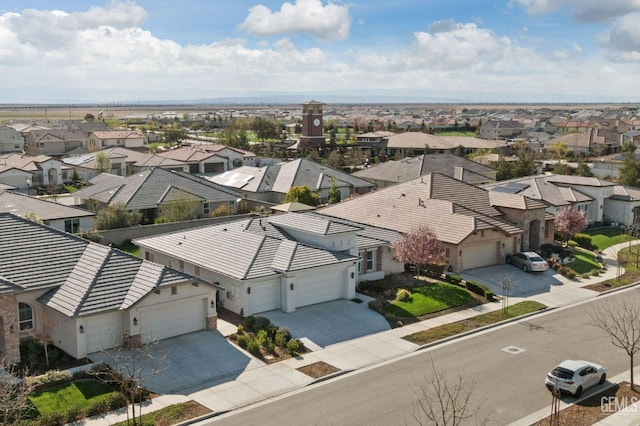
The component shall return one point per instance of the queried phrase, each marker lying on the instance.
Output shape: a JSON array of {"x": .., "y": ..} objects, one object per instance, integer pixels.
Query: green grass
[
  {"x": 59, "y": 398},
  {"x": 604, "y": 238},
  {"x": 584, "y": 262},
  {"x": 70, "y": 188},
  {"x": 130, "y": 248},
  {"x": 429, "y": 298},
  {"x": 448, "y": 330}
]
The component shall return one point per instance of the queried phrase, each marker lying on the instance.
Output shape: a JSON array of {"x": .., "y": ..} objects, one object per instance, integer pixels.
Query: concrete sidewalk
[{"x": 258, "y": 383}]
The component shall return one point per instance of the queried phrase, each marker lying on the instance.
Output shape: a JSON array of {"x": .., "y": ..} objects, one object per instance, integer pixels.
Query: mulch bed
[
  {"x": 318, "y": 369},
  {"x": 592, "y": 409}
]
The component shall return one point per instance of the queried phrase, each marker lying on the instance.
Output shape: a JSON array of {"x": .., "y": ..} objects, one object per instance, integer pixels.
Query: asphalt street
[{"x": 507, "y": 363}]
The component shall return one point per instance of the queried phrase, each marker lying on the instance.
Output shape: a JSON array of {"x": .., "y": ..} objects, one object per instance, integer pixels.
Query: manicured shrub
[
  {"x": 74, "y": 413},
  {"x": 583, "y": 240},
  {"x": 479, "y": 289},
  {"x": 262, "y": 323},
  {"x": 51, "y": 377},
  {"x": 546, "y": 250},
  {"x": 284, "y": 332},
  {"x": 250, "y": 322},
  {"x": 377, "y": 286},
  {"x": 403, "y": 295},
  {"x": 117, "y": 400},
  {"x": 253, "y": 347},
  {"x": 53, "y": 418},
  {"x": 97, "y": 407},
  {"x": 240, "y": 330},
  {"x": 454, "y": 279},
  {"x": 377, "y": 304},
  {"x": 243, "y": 341},
  {"x": 571, "y": 243},
  {"x": 261, "y": 338},
  {"x": 435, "y": 269},
  {"x": 293, "y": 346}
]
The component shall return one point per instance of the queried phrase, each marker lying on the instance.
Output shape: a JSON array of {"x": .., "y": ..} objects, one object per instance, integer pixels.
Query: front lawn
[
  {"x": 584, "y": 263},
  {"x": 429, "y": 298},
  {"x": 448, "y": 330},
  {"x": 604, "y": 238},
  {"x": 171, "y": 415},
  {"x": 80, "y": 394}
]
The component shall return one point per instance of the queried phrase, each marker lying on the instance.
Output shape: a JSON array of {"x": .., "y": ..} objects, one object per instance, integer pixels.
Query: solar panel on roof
[{"x": 511, "y": 187}]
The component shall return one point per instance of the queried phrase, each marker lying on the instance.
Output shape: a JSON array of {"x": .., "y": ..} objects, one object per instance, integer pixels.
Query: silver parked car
[
  {"x": 574, "y": 376},
  {"x": 528, "y": 261}
]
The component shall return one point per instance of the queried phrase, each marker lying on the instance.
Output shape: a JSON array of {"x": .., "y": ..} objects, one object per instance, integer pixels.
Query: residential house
[
  {"x": 631, "y": 136},
  {"x": 101, "y": 139},
  {"x": 124, "y": 162},
  {"x": 85, "y": 297},
  {"x": 584, "y": 143},
  {"x": 571, "y": 126},
  {"x": 500, "y": 129},
  {"x": 392, "y": 172},
  {"x": 24, "y": 171},
  {"x": 416, "y": 143},
  {"x": 58, "y": 216},
  {"x": 473, "y": 229},
  {"x": 152, "y": 190},
  {"x": 608, "y": 166},
  {"x": 10, "y": 140},
  {"x": 86, "y": 127},
  {"x": 587, "y": 194},
  {"x": 53, "y": 142},
  {"x": 272, "y": 183},
  {"x": 284, "y": 261},
  {"x": 209, "y": 158}
]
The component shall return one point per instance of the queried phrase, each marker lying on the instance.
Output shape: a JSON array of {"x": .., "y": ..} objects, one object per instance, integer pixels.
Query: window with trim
[
  {"x": 25, "y": 316},
  {"x": 174, "y": 290},
  {"x": 181, "y": 265},
  {"x": 148, "y": 256},
  {"x": 206, "y": 209},
  {"x": 371, "y": 260},
  {"x": 72, "y": 225}
]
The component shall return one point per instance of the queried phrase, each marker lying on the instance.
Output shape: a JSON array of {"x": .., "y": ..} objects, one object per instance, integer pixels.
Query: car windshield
[
  {"x": 536, "y": 259},
  {"x": 562, "y": 373}
]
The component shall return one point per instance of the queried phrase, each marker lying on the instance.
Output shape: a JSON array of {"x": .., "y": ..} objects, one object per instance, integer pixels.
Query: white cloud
[
  {"x": 622, "y": 39},
  {"x": 583, "y": 10},
  {"x": 330, "y": 22}
]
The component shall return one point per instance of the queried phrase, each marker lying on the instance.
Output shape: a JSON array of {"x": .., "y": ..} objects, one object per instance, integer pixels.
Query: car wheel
[
  {"x": 578, "y": 392},
  {"x": 602, "y": 378},
  {"x": 525, "y": 268}
]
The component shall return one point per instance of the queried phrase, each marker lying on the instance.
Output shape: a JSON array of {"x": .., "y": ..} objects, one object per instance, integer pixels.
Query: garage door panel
[
  {"x": 103, "y": 332},
  {"x": 265, "y": 297},
  {"x": 171, "y": 319},
  {"x": 480, "y": 255},
  {"x": 319, "y": 288}
]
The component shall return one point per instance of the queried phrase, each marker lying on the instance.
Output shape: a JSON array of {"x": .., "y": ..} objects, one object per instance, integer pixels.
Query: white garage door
[
  {"x": 318, "y": 288},
  {"x": 479, "y": 255},
  {"x": 265, "y": 297},
  {"x": 172, "y": 319},
  {"x": 103, "y": 332}
]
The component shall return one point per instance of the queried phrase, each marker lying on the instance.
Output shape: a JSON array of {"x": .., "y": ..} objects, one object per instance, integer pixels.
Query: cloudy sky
[{"x": 354, "y": 50}]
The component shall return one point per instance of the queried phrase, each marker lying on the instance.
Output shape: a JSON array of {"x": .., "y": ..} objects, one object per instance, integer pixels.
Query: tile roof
[
  {"x": 453, "y": 209},
  {"x": 243, "y": 249},
  {"x": 137, "y": 158},
  {"x": 314, "y": 224},
  {"x": 19, "y": 204},
  {"x": 146, "y": 189},
  {"x": 281, "y": 177},
  {"x": 82, "y": 277},
  {"x": 551, "y": 189},
  {"x": 24, "y": 162}
]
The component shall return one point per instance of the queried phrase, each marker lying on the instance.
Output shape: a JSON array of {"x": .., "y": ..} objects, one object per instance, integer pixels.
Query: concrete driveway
[
  {"x": 524, "y": 284},
  {"x": 183, "y": 364},
  {"x": 328, "y": 323}
]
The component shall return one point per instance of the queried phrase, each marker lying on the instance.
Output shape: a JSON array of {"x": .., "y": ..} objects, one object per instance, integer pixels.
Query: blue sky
[{"x": 429, "y": 50}]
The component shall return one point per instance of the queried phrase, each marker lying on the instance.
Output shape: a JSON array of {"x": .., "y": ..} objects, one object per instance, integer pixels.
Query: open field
[{"x": 57, "y": 112}]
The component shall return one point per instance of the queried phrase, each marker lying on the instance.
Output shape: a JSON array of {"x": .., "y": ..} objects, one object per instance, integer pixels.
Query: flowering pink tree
[
  {"x": 419, "y": 248},
  {"x": 570, "y": 221}
]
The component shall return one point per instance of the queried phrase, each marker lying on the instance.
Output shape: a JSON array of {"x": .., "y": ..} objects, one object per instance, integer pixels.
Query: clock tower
[{"x": 312, "y": 129}]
